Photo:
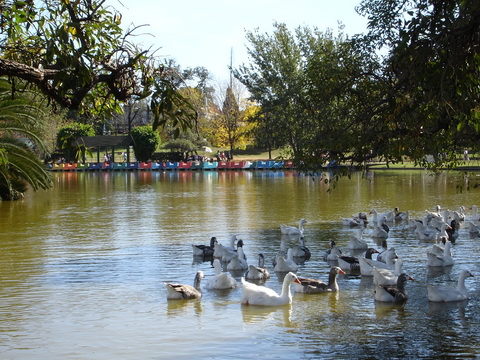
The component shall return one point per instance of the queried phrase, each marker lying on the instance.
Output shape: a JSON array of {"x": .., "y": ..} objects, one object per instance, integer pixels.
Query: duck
[
  {"x": 473, "y": 229},
  {"x": 400, "y": 215},
  {"x": 292, "y": 230},
  {"x": 452, "y": 230},
  {"x": 238, "y": 262},
  {"x": 205, "y": 251},
  {"x": 355, "y": 221},
  {"x": 379, "y": 231},
  {"x": 356, "y": 242},
  {"x": 474, "y": 217},
  {"x": 221, "y": 280},
  {"x": 301, "y": 251},
  {"x": 427, "y": 233},
  {"x": 313, "y": 286},
  {"x": 178, "y": 291},
  {"x": 281, "y": 252},
  {"x": 253, "y": 294},
  {"x": 367, "y": 265},
  {"x": 436, "y": 259},
  {"x": 258, "y": 272},
  {"x": 333, "y": 253},
  {"x": 387, "y": 276},
  {"x": 393, "y": 293},
  {"x": 286, "y": 264},
  {"x": 351, "y": 263},
  {"x": 447, "y": 293},
  {"x": 221, "y": 249},
  {"x": 383, "y": 255},
  {"x": 228, "y": 254}
]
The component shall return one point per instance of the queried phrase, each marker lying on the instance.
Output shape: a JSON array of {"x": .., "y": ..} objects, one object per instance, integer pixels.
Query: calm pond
[{"x": 82, "y": 268}]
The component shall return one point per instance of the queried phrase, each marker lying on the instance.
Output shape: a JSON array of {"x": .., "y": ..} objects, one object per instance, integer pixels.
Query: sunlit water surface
[{"x": 82, "y": 268}]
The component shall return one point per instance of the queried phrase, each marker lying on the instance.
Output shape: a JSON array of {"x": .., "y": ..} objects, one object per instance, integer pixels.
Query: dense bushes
[
  {"x": 66, "y": 136},
  {"x": 145, "y": 142}
]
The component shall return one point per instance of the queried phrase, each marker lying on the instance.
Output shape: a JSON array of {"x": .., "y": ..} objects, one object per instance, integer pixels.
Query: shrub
[
  {"x": 145, "y": 142},
  {"x": 67, "y": 134}
]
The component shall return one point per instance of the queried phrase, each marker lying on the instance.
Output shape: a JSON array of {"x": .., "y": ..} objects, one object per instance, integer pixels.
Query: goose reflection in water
[{"x": 281, "y": 315}]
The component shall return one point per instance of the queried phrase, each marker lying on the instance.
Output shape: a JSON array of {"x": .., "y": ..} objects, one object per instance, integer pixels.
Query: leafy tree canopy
[{"x": 76, "y": 53}]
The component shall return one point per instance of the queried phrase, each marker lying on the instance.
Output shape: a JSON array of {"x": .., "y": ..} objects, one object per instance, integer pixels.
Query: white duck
[
  {"x": 355, "y": 221},
  {"x": 426, "y": 232},
  {"x": 258, "y": 272},
  {"x": 286, "y": 264},
  {"x": 253, "y": 294},
  {"x": 393, "y": 293},
  {"x": 238, "y": 262},
  {"x": 445, "y": 259},
  {"x": 221, "y": 280},
  {"x": 379, "y": 231},
  {"x": 387, "y": 276},
  {"x": 333, "y": 253},
  {"x": 474, "y": 217},
  {"x": 367, "y": 265},
  {"x": 447, "y": 293},
  {"x": 178, "y": 291},
  {"x": 313, "y": 286},
  {"x": 473, "y": 230},
  {"x": 205, "y": 251},
  {"x": 292, "y": 230},
  {"x": 221, "y": 250},
  {"x": 356, "y": 242},
  {"x": 228, "y": 254}
]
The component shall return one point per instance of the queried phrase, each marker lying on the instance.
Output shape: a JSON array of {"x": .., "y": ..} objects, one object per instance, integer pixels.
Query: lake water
[{"x": 82, "y": 268}]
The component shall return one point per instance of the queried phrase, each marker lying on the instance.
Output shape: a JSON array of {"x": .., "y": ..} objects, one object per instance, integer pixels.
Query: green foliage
[
  {"x": 77, "y": 54},
  {"x": 19, "y": 164},
  {"x": 66, "y": 137},
  {"x": 145, "y": 142},
  {"x": 335, "y": 99}
]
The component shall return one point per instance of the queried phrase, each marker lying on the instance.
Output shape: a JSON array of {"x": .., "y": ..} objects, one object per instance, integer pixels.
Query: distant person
[{"x": 465, "y": 154}]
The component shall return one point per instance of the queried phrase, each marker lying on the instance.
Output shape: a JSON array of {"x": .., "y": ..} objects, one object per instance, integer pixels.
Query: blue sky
[{"x": 203, "y": 33}]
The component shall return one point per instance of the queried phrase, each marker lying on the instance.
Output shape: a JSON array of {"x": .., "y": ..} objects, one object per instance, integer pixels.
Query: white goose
[
  {"x": 286, "y": 265},
  {"x": 379, "y": 231},
  {"x": 447, "y": 293},
  {"x": 367, "y": 265},
  {"x": 333, "y": 253},
  {"x": 393, "y": 293},
  {"x": 221, "y": 280},
  {"x": 178, "y": 291},
  {"x": 238, "y": 262},
  {"x": 445, "y": 259},
  {"x": 356, "y": 242},
  {"x": 387, "y": 276},
  {"x": 473, "y": 230},
  {"x": 258, "y": 272},
  {"x": 253, "y": 294},
  {"x": 313, "y": 286},
  {"x": 292, "y": 230},
  {"x": 474, "y": 217},
  {"x": 221, "y": 250}
]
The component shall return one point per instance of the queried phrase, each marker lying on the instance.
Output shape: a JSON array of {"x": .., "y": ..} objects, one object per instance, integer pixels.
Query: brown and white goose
[{"x": 179, "y": 291}]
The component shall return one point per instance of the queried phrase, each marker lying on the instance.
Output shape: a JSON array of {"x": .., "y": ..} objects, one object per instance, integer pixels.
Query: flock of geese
[{"x": 440, "y": 228}]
